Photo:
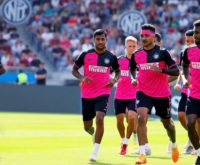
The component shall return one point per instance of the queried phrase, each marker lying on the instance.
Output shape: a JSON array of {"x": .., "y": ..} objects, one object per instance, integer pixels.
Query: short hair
[
  {"x": 130, "y": 38},
  {"x": 196, "y": 23},
  {"x": 99, "y": 32},
  {"x": 189, "y": 33},
  {"x": 149, "y": 27},
  {"x": 158, "y": 37}
]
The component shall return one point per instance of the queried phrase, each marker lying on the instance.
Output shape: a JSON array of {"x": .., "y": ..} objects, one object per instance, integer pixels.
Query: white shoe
[
  {"x": 147, "y": 151},
  {"x": 93, "y": 158},
  {"x": 169, "y": 148},
  {"x": 188, "y": 149}
]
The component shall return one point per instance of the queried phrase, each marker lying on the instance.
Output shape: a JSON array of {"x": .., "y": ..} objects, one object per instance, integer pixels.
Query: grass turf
[{"x": 59, "y": 139}]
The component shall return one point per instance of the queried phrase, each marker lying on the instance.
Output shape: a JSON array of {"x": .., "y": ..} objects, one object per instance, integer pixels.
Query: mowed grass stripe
[{"x": 59, "y": 139}]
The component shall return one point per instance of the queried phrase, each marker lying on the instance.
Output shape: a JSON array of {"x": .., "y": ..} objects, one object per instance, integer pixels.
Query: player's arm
[
  {"x": 2, "y": 69},
  {"x": 185, "y": 66},
  {"x": 172, "y": 66},
  {"x": 75, "y": 69},
  {"x": 132, "y": 70}
]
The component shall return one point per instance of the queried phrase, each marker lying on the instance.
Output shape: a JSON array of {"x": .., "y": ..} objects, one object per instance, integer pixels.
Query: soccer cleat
[
  {"x": 175, "y": 154},
  {"x": 147, "y": 151},
  {"x": 197, "y": 161},
  {"x": 93, "y": 158},
  {"x": 187, "y": 150},
  {"x": 123, "y": 149},
  {"x": 141, "y": 160}
]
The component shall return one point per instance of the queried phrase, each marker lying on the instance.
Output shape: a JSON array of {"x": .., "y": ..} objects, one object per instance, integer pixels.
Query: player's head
[
  {"x": 158, "y": 39},
  {"x": 130, "y": 44},
  {"x": 147, "y": 34},
  {"x": 196, "y": 29},
  {"x": 100, "y": 38},
  {"x": 189, "y": 38}
]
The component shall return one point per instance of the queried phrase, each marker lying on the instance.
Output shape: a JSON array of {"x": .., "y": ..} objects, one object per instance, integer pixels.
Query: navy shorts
[
  {"x": 182, "y": 103},
  {"x": 162, "y": 105},
  {"x": 193, "y": 106},
  {"x": 121, "y": 105},
  {"x": 91, "y": 105}
]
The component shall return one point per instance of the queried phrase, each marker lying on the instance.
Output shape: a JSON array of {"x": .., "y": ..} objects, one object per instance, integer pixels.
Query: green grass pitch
[{"x": 59, "y": 139}]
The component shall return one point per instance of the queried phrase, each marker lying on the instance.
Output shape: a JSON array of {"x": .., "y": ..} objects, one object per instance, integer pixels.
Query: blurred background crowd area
[{"x": 64, "y": 28}]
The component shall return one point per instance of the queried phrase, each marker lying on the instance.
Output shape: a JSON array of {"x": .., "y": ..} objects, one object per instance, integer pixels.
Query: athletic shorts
[
  {"x": 182, "y": 103},
  {"x": 162, "y": 105},
  {"x": 193, "y": 106},
  {"x": 121, "y": 105},
  {"x": 91, "y": 105}
]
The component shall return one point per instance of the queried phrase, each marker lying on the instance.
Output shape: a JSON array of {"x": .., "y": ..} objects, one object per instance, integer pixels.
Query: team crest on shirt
[
  {"x": 156, "y": 56},
  {"x": 106, "y": 61}
]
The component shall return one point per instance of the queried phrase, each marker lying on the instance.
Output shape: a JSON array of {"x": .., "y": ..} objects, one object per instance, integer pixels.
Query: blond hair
[{"x": 130, "y": 38}]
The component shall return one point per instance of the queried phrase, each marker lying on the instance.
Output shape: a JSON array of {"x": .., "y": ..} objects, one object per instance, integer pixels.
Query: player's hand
[
  {"x": 186, "y": 84},
  {"x": 86, "y": 79},
  {"x": 111, "y": 82},
  {"x": 134, "y": 82},
  {"x": 156, "y": 69},
  {"x": 177, "y": 87}
]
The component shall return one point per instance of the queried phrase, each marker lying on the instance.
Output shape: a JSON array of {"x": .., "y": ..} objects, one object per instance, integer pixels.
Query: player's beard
[
  {"x": 197, "y": 42},
  {"x": 100, "y": 48}
]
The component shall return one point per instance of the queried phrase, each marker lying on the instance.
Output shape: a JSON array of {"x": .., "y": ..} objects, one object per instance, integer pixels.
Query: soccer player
[
  {"x": 154, "y": 66},
  {"x": 191, "y": 71},
  {"x": 125, "y": 96},
  {"x": 96, "y": 85},
  {"x": 189, "y": 40}
]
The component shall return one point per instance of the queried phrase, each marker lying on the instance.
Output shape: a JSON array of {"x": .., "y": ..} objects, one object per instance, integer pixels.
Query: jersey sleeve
[
  {"x": 168, "y": 59},
  {"x": 115, "y": 64},
  {"x": 132, "y": 63},
  {"x": 185, "y": 57},
  {"x": 80, "y": 60}
]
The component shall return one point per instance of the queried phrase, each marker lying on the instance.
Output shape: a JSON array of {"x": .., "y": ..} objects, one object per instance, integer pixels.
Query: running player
[
  {"x": 154, "y": 65},
  {"x": 191, "y": 71},
  {"x": 189, "y": 40},
  {"x": 125, "y": 96},
  {"x": 96, "y": 84}
]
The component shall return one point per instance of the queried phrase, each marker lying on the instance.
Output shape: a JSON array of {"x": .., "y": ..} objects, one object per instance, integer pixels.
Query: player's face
[
  {"x": 131, "y": 46},
  {"x": 147, "y": 40},
  {"x": 197, "y": 35},
  {"x": 189, "y": 40},
  {"x": 100, "y": 42}
]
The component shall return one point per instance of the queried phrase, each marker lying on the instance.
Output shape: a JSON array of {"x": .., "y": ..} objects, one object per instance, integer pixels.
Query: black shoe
[{"x": 197, "y": 161}]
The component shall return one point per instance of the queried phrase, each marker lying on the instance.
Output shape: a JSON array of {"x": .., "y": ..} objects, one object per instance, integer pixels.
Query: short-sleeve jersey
[
  {"x": 152, "y": 83},
  {"x": 191, "y": 56},
  {"x": 124, "y": 90},
  {"x": 97, "y": 67}
]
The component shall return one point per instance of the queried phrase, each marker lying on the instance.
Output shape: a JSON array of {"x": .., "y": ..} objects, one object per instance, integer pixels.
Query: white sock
[
  {"x": 198, "y": 152},
  {"x": 147, "y": 146},
  {"x": 124, "y": 141},
  {"x": 142, "y": 149},
  {"x": 174, "y": 145},
  {"x": 95, "y": 148}
]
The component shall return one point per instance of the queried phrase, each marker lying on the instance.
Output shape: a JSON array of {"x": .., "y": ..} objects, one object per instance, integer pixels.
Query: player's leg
[
  {"x": 101, "y": 106},
  {"x": 192, "y": 116},
  {"x": 188, "y": 148},
  {"x": 162, "y": 106},
  {"x": 198, "y": 126},
  {"x": 120, "y": 112},
  {"x": 181, "y": 110},
  {"x": 144, "y": 103},
  {"x": 88, "y": 113}
]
